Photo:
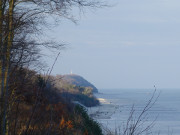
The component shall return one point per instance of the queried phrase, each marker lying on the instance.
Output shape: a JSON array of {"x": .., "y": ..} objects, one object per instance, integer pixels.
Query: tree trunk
[
  {"x": 6, "y": 69},
  {"x": 1, "y": 68}
]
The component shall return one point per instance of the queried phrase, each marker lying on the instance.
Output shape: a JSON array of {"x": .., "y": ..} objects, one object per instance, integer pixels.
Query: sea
[{"x": 122, "y": 107}]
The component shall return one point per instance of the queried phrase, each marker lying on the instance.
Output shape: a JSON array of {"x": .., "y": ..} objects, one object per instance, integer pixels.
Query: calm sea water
[{"x": 166, "y": 110}]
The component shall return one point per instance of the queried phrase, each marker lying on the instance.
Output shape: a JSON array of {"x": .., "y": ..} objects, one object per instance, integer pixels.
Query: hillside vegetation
[
  {"x": 31, "y": 104},
  {"x": 78, "y": 81},
  {"x": 39, "y": 107},
  {"x": 75, "y": 88}
]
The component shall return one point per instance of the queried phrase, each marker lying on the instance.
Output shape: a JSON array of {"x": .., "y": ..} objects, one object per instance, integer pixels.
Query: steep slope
[{"x": 79, "y": 81}]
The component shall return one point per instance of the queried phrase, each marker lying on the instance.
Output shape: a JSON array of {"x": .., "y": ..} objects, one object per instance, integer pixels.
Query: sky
[{"x": 133, "y": 44}]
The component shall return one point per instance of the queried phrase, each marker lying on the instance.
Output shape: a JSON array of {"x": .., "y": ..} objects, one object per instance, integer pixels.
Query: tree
[{"x": 19, "y": 21}]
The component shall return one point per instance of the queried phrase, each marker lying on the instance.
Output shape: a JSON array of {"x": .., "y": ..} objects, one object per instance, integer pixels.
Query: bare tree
[{"x": 20, "y": 21}]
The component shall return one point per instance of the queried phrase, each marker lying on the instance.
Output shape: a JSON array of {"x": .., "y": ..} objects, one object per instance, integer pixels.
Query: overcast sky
[{"x": 135, "y": 44}]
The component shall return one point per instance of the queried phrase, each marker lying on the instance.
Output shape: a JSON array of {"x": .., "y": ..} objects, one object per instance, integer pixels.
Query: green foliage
[
  {"x": 78, "y": 81},
  {"x": 89, "y": 125},
  {"x": 87, "y": 91},
  {"x": 83, "y": 99},
  {"x": 72, "y": 92}
]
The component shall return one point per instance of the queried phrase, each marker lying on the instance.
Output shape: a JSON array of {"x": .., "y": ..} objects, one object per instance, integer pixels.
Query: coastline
[{"x": 104, "y": 111}]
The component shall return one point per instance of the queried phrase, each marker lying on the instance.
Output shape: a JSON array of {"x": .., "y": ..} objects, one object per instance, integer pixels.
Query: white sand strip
[{"x": 103, "y": 101}]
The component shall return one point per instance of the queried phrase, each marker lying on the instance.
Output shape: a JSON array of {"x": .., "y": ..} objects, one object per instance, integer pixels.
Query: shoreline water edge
[{"x": 115, "y": 107}]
